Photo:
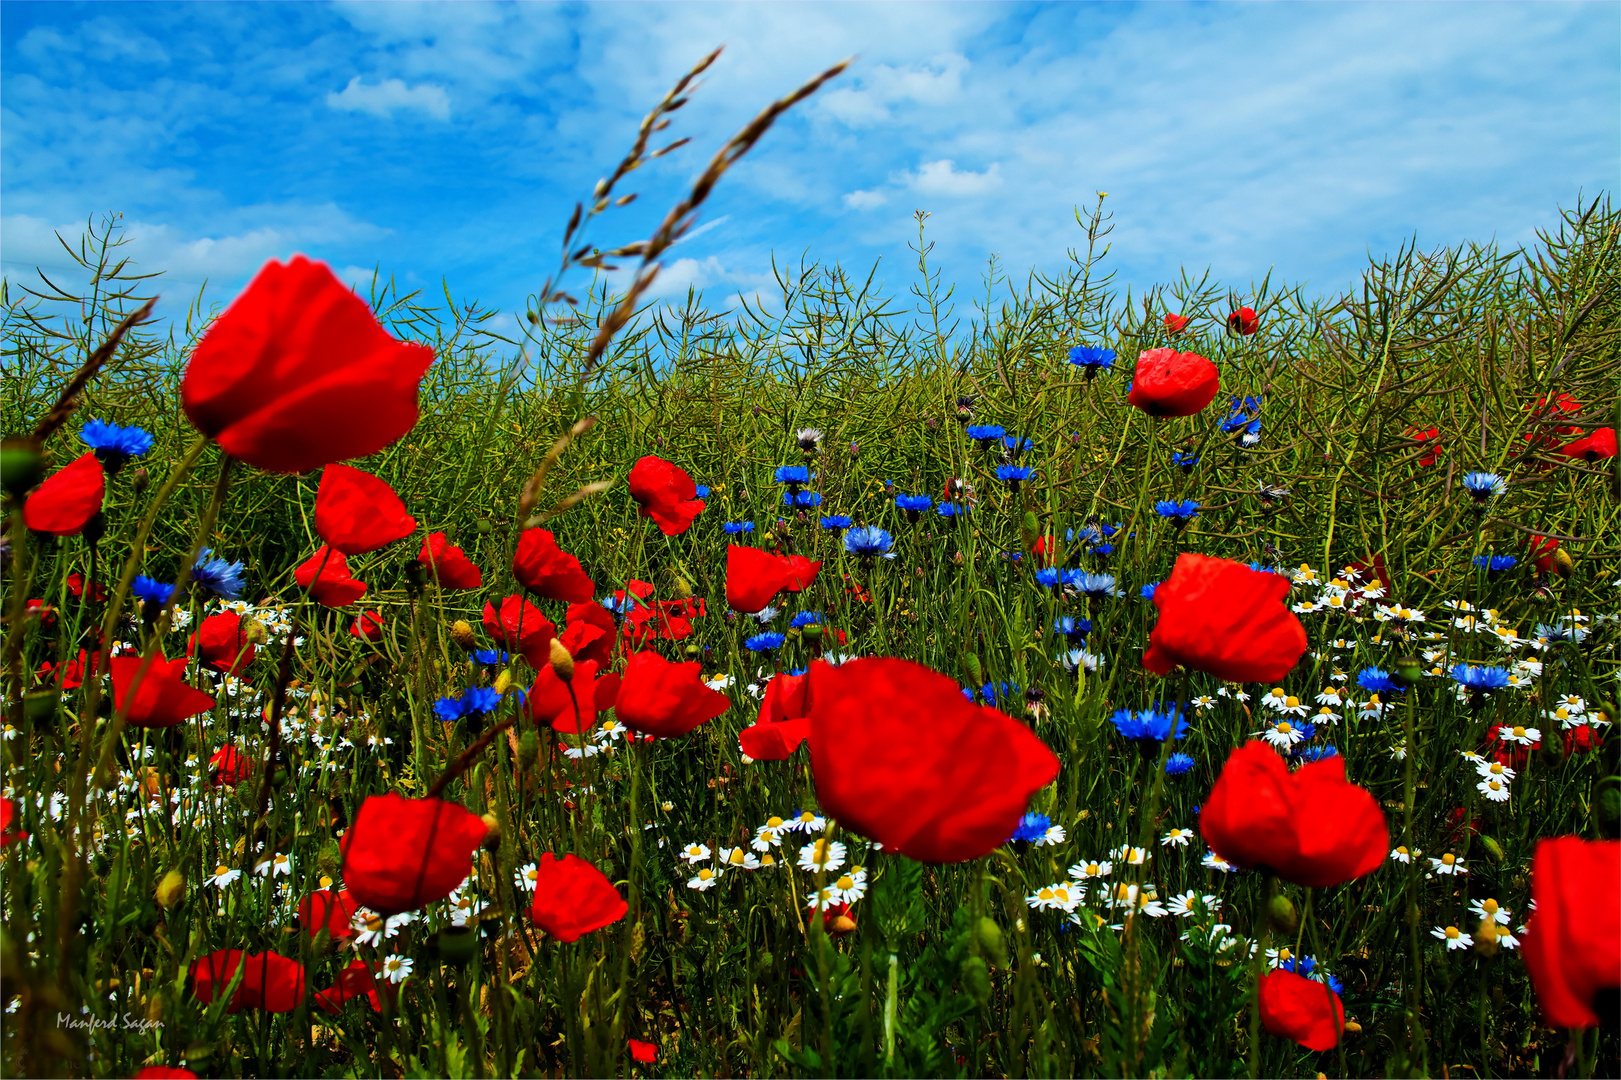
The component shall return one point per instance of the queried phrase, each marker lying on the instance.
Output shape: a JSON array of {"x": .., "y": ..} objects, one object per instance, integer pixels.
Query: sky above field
[{"x": 442, "y": 141}]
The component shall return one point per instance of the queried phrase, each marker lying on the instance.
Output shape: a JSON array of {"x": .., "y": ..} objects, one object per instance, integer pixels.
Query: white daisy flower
[
  {"x": 223, "y": 876},
  {"x": 1402, "y": 855},
  {"x": 738, "y": 858},
  {"x": 1524, "y": 736},
  {"x": 768, "y": 835},
  {"x": 1491, "y": 909},
  {"x": 1282, "y": 735},
  {"x": 1494, "y": 790},
  {"x": 695, "y": 853},
  {"x": 807, "y": 821},
  {"x": 279, "y": 866},
  {"x": 821, "y": 855},
  {"x": 1060, "y": 896},
  {"x": 704, "y": 880},
  {"x": 1448, "y": 864},
  {"x": 1085, "y": 871},
  {"x": 526, "y": 876},
  {"x": 1455, "y": 938},
  {"x": 397, "y": 968},
  {"x": 1212, "y": 861},
  {"x": 1179, "y": 837}
]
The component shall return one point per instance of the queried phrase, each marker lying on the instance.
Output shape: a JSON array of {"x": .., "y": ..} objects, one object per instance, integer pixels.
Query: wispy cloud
[{"x": 390, "y": 96}]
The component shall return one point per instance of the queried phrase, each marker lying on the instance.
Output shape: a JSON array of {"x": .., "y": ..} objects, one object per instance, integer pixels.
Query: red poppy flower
[
  {"x": 783, "y": 723},
  {"x": 1579, "y": 740},
  {"x": 10, "y": 833},
  {"x": 665, "y": 699},
  {"x": 1219, "y": 616},
  {"x": 326, "y": 575},
  {"x": 1244, "y": 321},
  {"x": 1171, "y": 383},
  {"x": 1432, "y": 438},
  {"x": 163, "y": 699},
  {"x": 356, "y": 512},
  {"x": 1546, "y": 555},
  {"x": 551, "y": 703},
  {"x": 1302, "y": 1009},
  {"x": 1045, "y": 549},
  {"x": 1312, "y": 827},
  {"x": 447, "y": 563},
  {"x": 1547, "y": 425},
  {"x": 588, "y": 633},
  {"x": 572, "y": 898},
  {"x": 1572, "y": 942},
  {"x": 548, "y": 571},
  {"x": 403, "y": 853},
  {"x": 1175, "y": 324},
  {"x": 753, "y": 578},
  {"x": 329, "y": 910},
  {"x": 800, "y": 573},
  {"x": 644, "y": 1052},
  {"x": 368, "y": 626},
  {"x": 667, "y": 494},
  {"x": 1598, "y": 444},
  {"x": 165, "y": 1072},
  {"x": 76, "y": 586},
  {"x": 71, "y": 674},
  {"x": 297, "y": 373},
  {"x": 229, "y": 766},
  {"x": 519, "y": 627},
  {"x": 353, "y": 981},
  {"x": 64, "y": 504},
  {"x": 271, "y": 982},
  {"x": 220, "y": 644},
  {"x": 899, "y": 756}
]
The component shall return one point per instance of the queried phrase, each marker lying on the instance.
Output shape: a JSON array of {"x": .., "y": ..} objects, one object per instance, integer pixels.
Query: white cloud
[
  {"x": 390, "y": 95},
  {"x": 865, "y": 200},
  {"x": 944, "y": 178}
]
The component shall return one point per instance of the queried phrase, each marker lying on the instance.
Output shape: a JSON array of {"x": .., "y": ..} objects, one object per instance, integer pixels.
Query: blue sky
[{"x": 450, "y": 140}]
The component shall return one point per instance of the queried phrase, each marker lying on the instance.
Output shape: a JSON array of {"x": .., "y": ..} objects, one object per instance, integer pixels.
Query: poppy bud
[
  {"x": 171, "y": 889},
  {"x": 41, "y": 704},
  {"x": 682, "y": 588},
  {"x": 253, "y": 631},
  {"x": 528, "y": 750},
  {"x": 1409, "y": 670},
  {"x": 327, "y": 860},
  {"x": 989, "y": 935},
  {"x": 20, "y": 465},
  {"x": 503, "y": 681},
  {"x": 1281, "y": 913},
  {"x": 457, "y": 944},
  {"x": 562, "y": 661},
  {"x": 492, "y": 839},
  {"x": 693, "y": 650},
  {"x": 1563, "y": 564},
  {"x": 970, "y": 665},
  {"x": 139, "y": 480},
  {"x": 462, "y": 634},
  {"x": 811, "y": 632}
]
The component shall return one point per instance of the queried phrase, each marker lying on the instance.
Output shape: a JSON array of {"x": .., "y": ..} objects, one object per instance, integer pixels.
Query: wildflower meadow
[{"x": 1069, "y": 680}]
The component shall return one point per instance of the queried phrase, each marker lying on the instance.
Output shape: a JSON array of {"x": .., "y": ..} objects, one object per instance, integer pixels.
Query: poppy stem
[
  {"x": 1263, "y": 918},
  {"x": 465, "y": 760}
]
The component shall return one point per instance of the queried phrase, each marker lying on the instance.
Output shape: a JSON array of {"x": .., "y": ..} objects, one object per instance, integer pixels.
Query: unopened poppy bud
[
  {"x": 484, "y": 526},
  {"x": 503, "y": 681},
  {"x": 41, "y": 704},
  {"x": 1409, "y": 670},
  {"x": 841, "y": 925},
  {"x": 682, "y": 588},
  {"x": 327, "y": 860},
  {"x": 253, "y": 631},
  {"x": 1563, "y": 564},
  {"x": 138, "y": 482},
  {"x": 976, "y": 979},
  {"x": 1280, "y": 911},
  {"x": 461, "y": 632},
  {"x": 1353, "y": 1028},
  {"x": 492, "y": 839},
  {"x": 171, "y": 889},
  {"x": 528, "y": 750},
  {"x": 279, "y": 779},
  {"x": 693, "y": 650},
  {"x": 970, "y": 665},
  {"x": 989, "y": 935},
  {"x": 20, "y": 465},
  {"x": 562, "y": 661},
  {"x": 1493, "y": 848}
]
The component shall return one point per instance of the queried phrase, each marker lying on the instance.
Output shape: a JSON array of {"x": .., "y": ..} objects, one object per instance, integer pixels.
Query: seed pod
[
  {"x": 1280, "y": 911},
  {"x": 171, "y": 889}
]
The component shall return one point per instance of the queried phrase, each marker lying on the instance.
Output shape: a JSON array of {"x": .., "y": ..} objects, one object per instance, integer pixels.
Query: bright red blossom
[
  {"x": 550, "y": 701},
  {"x": 353, "y": 981},
  {"x": 1171, "y": 383},
  {"x": 356, "y": 512},
  {"x": 1175, "y": 324},
  {"x": 899, "y": 756},
  {"x": 1595, "y": 446},
  {"x": 644, "y": 1052},
  {"x": 229, "y": 766},
  {"x": 1572, "y": 943},
  {"x": 519, "y": 627},
  {"x": 573, "y": 898},
  {"x": 1221, "y": 617},
  {"x": 448, "y": 564},
  {"x": 783, "y": 722},
  {"x": 754, "y": 577},
  {"x": 297, "y": 373},
  {"x": 326, "y": 575},
  {"x": 403, "y": 853},
  {"x": 368, "y": 626},
  {"x": 10, "y": 832},
  {"x": 64, "y": 504},
  {"x": 271, "y": 982},
  {"x": 548, "y": 571},
  {"x": 666, "y": 699},
  {"x": 667, "y": 494},
  {"x": 1312, "y": 827},
  {"x": 163, "y": 698},
  {"x": 220, "y": 644},
  {"x": 1302, "y": 1009},
  {"x": 331, "y": 911},
  {"x": 1244, "y": 321}
]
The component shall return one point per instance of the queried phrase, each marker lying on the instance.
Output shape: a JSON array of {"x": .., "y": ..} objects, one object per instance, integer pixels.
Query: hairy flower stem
[{"x": 1258, "y": 967}]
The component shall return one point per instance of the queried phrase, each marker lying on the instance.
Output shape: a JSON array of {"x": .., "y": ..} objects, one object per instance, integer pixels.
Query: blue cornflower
[
  {"x": 735, "y": 527},
  {"x": 1308, "y": 754},
  {"x": 837, "y": 522},
  {"x": 1177, "y": 764},
  {"x": 952, "y": 510},
  {"x": 1480, "y": 679},
  {"x": 999, "y": 695},
  {"x": 1150, "y": 725},
  {"x": 221, "y": 577},
  {"x": 1557, "y": 632},
  {"x": 913, "y": 504},
  {"x": 869, "y": 540},
  {"x": 1376, "y": 681},
  {"x": 792, "y": 475},
  {"x": 1182, "y": 512},
  {"x": 805, "y": 618},
  {"x": 1031, "y": 827},
  {"x": 1147, "y": 591},
  {"x": 151, "y": 590},
  {"x": 1495, "y": 563},
  {"x": 1015, "y": 445},
  {"x": 1013, "y": 475},
  {"x": 480, "y": 699},
  {"x": 1051, "y": 578},
  {"x": 619, "y": 605},
  {"x": 1483, "y": 485},
  {"x": 1185, "y": 460},
  {"x": 1072, "y": 628},
  {"x": 115, "y": 445},
  {"x": 489, "y": 657},
  {"x": 449, "y": 708},
  {"x": 1244, "y": 420},
  {"x": 703, "y": 490},
  {"x": 766, "y": 642},
  {"x": 803, "y": 499},
  {"x": 1300, "y": 966},
  {"x": 1092, "y": 359},
  {"x": 985, "y": 434},
  {"x": 1098, "y": 585}
]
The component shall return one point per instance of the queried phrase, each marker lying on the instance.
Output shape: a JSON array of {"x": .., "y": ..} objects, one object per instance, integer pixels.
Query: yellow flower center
[
  {"x": 773, "y": 823},
  {"x": 1561, "y": 713},
  {"x": 1292, "y": 702},
  {"x": 1285, "y": 954},
  {"x": 1452, "y": 931},
  {"x": 1497, "y": 768},
  {"x": 1448, "y": 859},
  {"x": 738, "y": 858},
  {"x": 1284, "y": 728},
  {"x": 845, "y": 882},
  {"x": 1494, "y": 785},
  {"x": 1092, "y": 868},
  {"x": 705, "y": 874},
  {"x": 1402, "y": 850},
  {"x": 807, "y": 816},
  {"x": 1519, "y": 732},
  {"x": 221, "y": 870},
  {"x": 1324, "y": 711},
  {"x": 768, "y": 859},
  {"x": 1277, "y": 692},
  {"x": 1489, "y": 906},
  {"x": 1045, "y": 894}
]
